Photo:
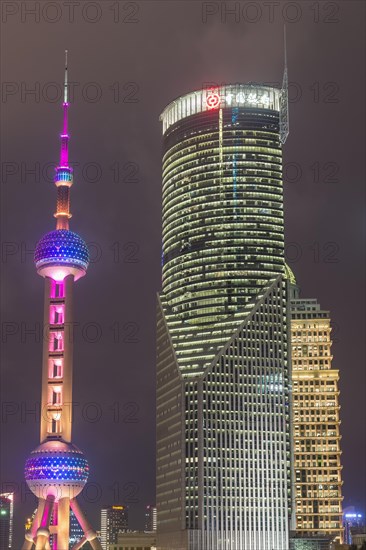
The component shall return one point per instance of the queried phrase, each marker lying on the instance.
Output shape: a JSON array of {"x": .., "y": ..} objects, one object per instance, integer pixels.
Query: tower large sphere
[
  {"x": 61, "y": 253},
  {"x": 57, "y": 468}
]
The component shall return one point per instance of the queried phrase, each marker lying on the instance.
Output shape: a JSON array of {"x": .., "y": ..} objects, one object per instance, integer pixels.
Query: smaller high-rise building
[
  {"x": 151, "y": 518},
  {"x": 113, "y": 520},
  {"x": 315, "y": 422},
  {"x": 6, "y": 520},
  {"x": 353, "y": 523}
]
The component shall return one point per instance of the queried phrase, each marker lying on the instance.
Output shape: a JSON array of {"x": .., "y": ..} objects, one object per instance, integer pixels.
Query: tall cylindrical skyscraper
[
  {"x": 223, "y": 236},
  {"x": 223, "y": 443}
]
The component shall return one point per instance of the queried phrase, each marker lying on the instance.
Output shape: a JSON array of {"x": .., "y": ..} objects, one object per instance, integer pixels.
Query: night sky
[{"x": 127, "y": 67}]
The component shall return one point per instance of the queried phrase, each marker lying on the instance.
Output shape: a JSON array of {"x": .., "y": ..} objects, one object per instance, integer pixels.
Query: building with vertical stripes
[
  {"x": 316, "y": 423},
  {"x": 223, "y": 365},
  {"x": 150, "y": 518}
]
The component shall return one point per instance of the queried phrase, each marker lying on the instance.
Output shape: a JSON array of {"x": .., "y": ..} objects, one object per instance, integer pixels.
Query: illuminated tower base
[{"x": 57, "y": 470}]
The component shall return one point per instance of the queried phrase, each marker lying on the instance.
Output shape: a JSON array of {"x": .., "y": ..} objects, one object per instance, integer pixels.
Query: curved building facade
[
  {"x": 223, "y": 235},
  {"x": 223, "y": 428}
]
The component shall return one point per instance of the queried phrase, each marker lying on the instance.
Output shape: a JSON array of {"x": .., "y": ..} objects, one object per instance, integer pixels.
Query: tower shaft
[
  {"x": 56, "y": 418},
  {"x": 64, "y": 176}
]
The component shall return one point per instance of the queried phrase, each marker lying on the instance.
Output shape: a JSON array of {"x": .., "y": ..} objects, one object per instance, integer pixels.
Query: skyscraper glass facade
[
  {"x": 223, "y": 446},
  {"x": 223, "y": 235},
  {"x": 150, "y": 518},
  {"x": 113, "y": 520}
]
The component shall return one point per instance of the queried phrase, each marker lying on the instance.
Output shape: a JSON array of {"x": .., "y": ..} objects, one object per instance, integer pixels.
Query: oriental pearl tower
[{"x": 56, "y": 471}]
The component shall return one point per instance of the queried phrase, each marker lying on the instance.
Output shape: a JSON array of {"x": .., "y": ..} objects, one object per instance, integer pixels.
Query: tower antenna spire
[
  {"x": 284, "y": 115},
  {"x": 64, "y": 176},
  {"x": 65, "y": 81},
  {"x": 65, "y": 136},
  {"x": 285, "y": 46}
]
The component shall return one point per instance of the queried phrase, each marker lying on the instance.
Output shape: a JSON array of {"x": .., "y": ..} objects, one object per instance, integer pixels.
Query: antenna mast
[{"x": 284, "y": 114}]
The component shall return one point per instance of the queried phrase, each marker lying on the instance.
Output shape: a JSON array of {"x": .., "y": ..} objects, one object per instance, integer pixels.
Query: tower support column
[
  {"x": 31, "y": 535},
  {"x": 63, "y": 524},
  {"x": 43, "y": 532}
]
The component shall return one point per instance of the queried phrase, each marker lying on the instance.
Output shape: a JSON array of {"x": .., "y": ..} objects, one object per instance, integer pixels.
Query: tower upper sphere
[{"x": 60, "y": 253}]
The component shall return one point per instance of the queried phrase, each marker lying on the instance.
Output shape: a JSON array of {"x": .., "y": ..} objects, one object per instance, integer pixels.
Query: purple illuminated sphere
[
  {"x": 57, "y": 468},
  {"x": 61, "y": 250}
]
